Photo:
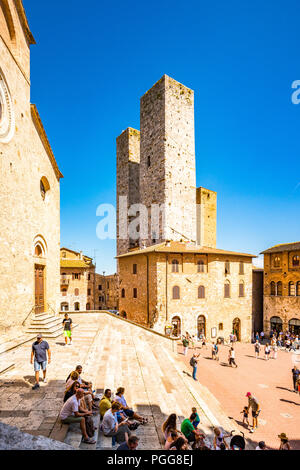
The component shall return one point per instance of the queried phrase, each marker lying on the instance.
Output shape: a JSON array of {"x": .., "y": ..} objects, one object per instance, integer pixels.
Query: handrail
[
  {"x": 24, "y": 322},
  {"x": 51, "y": 308}
]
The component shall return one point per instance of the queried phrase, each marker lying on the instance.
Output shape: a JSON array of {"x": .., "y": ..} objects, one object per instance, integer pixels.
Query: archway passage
[
  {"x": 201, "y": 327},
  {"x": 294, "y": 326},
  {"x": 39, "y": 295},
  {"x": 176, "y": 323},
  {"x": 77, "y": 307},
  {"x": 276, "y": 324},
  {"x": 236, "y": 328},
  {"x": 64, "y": 307}
]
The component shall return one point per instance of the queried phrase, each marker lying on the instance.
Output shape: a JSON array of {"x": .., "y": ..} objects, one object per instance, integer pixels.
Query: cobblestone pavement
[
  {"x": 113, "y": 353},
  {"x": 269, "y": 381}
]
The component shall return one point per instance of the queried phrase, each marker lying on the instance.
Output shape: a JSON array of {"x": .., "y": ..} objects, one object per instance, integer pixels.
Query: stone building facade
[
  {"x": 257, "y": 300},
  {"x": 107, "y": 292},
  {"x": 29, "y": 183},
  {"x": 77, "y": 281},
  {"x": 188, "y": 288},
  {"x": 184, "y": 231},
  {"x": 282, "y": 287}
]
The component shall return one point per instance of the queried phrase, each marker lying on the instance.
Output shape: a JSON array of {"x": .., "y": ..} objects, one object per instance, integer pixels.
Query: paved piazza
[
  {"x": 269, "y": 381},
  {"x": 116, "y": 353}
]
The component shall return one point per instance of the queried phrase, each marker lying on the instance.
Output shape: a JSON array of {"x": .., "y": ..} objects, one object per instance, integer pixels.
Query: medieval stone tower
[{"x": 157, "y": 168}]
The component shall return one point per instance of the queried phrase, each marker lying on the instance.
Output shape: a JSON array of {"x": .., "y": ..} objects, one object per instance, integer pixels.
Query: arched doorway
[
  {"x": 64, "y": 307},
  {"x": 176, "y": 323},
  {"x": 236, "y": 328},
  {"x": 201, "y": 326},
  {"x": 294, "y": 326},
  {"x": 276, "y": 324},
  {"x": 77, "y": 307}
]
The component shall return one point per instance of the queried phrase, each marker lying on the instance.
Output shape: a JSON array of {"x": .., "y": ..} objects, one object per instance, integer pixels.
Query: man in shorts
[
  {"x": 67, "y": 324},
  {"x": 39, "y": 351},
  {"x": 70, "y": 414},
  {"x": 253, "y": 403}
]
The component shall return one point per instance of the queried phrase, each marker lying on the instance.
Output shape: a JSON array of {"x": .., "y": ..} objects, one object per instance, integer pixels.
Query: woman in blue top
[{"x": 128, "y": 411}]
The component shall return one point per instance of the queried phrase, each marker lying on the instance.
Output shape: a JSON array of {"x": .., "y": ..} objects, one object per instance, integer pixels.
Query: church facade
[{"x": 29, "y": 184}]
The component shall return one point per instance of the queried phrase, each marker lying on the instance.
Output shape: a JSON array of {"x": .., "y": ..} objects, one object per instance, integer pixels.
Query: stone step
[
  {"x": 45, "y": 326},
  {"x": 45, "y": 320},
  {"x": 6, "y": 367}
]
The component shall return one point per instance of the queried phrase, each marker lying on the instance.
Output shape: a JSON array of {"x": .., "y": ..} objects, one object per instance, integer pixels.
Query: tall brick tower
[
  {"x": 167, "y": 159},
  {"x": 128, "y": 191}
]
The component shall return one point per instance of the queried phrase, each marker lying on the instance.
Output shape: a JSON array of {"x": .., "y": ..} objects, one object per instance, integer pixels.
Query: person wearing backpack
[
  {"x": 194, "y": 364},
  {"x": 214, "y": 352}
]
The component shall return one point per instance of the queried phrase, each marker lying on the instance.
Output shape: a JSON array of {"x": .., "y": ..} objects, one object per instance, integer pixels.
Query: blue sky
[{"x": 94, "y": 61}]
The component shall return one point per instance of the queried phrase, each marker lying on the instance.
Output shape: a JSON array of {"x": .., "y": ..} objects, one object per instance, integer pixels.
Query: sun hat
[
  {"x": 39, "y": 336},
  {"x": 282, "y": 436},
  {"x": 248, "y": 394}
]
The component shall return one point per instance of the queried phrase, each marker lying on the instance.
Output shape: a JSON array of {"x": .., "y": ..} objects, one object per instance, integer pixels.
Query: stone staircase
[{"x": 49, "y": 325}]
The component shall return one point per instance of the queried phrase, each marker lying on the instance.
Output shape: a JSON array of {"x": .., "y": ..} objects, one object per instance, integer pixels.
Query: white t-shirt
[
  {"x": 70, "y": 408},
  {"x": 232, "y": 354},
  {"x": 109, "y": 422}
]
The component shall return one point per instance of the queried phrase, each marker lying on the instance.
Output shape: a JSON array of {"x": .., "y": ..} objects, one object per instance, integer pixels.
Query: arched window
[
  {"x": 201, "y": 292},
  {"x": 176, "y": 293},
  {"x": 227, "y": 267},
  {"x": 241, "y": 270},
  {"x": 292, "y": 289},
  {"x": 175, "y": 266},
  {"x": 220, "y": 326},
  {"x": 123, "y": 293},
  {"x": 298, "y": 289},
  {"x": 200, "y": 265},
  {"x": 76, "y": 292},
  {"x": 76, "y": 306},
  {"x": 44, "y": 187},
  {"x": 64, "y": 307},
  {"x": 227, "y": 290},
  {"x": 296, "y": 260},
  {"x": 38, "y": 251},
  {"x": 241, "y": 289},
  {"x": 277, "y": 262},
  {"x": 134, "y": 293},
  {"x": 273, "y": 288},
  {"x": 279, "y": 288}
]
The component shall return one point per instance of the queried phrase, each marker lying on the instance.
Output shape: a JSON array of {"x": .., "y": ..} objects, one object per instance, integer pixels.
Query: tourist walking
[
  {"x": 231, "y": 358},
  {"x": 185, "y": 344},
  {"x": 215, "y": 352},
  {"x": 194, "y": 364},
  {"x": 253, "y": 403},
  {"x": 267, "y": 352},
  {"x": 296, "y": 375},
  {"x": 274, "y": 349},
  {"x": 257, "y": 349},
  {"x": 67, "y": 325},
  {"x": 39, "y": 351}
]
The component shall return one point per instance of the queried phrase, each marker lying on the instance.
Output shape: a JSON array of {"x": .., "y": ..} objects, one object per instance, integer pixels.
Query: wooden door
[{"x": 39, "y": 289}]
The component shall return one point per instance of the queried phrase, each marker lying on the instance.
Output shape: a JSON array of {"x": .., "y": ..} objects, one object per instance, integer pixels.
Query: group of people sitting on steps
[
  {"x": 118, "y": 419},
  {"x": 189, "y": 436}
]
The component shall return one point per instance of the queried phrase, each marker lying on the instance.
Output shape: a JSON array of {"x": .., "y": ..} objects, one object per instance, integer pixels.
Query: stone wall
[
  {"x": 206, "y": 217},
  {"x": 167, "y": 167},
  {"x": 25, "y": 216},
  {"x": 257, "y": 299},
  {"x": 128, "y": 183},
  {"x": 160, "y": 280}
]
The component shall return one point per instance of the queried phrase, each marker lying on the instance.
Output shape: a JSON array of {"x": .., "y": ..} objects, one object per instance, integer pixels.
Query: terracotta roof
[
  {"x": 178, "y": 247},
  {"x": 283, "y": 247},
  {"x": 75, "y": 263},
  {"x": 75, "y": 252}
]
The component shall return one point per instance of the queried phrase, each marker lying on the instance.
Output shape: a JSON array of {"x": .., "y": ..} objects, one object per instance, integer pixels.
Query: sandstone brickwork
[
  {"x": 206, "y": 217},
  {"x": 107, "y": 292},
  {"x": 29, "y": 181},
  {"x": 147, "y": 296},
  {"x": 282, "y": 302},
  {"x": 257, "y": 299}
]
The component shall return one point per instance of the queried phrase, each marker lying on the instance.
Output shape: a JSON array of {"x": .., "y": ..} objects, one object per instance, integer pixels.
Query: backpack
[{"x": 192, "y": 362}]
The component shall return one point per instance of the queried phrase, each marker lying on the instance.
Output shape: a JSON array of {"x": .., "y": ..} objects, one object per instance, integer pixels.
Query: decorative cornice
[
  {"x": 24, "y": 21},
  {"x": 43, "y": 136}
]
